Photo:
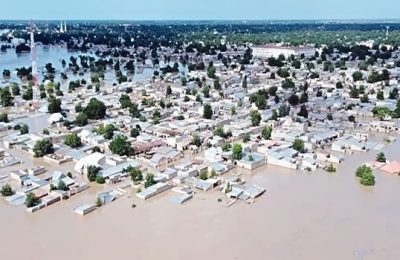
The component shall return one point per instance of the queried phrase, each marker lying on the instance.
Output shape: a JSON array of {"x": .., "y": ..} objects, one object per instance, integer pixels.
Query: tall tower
[
  {"x": 387, "y": 32},
  {"x": 61, "y": 27},
  {"x": 65, "y": 26},
  {"x": 35, "y": 88}
]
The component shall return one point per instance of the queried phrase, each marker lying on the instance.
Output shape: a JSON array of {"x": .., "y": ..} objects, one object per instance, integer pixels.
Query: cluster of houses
[
  {"x": 181, "y": 146},
  {"x": 31, "y": 181}
]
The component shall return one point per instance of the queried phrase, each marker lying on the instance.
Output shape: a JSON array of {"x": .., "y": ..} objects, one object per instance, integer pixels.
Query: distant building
[{"x": 273, "y": 50}]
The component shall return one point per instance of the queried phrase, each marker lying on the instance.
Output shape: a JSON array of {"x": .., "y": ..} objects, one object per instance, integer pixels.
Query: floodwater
[
  {"x": 302, "y": 216},
  {"x": 55, "y": 54}
]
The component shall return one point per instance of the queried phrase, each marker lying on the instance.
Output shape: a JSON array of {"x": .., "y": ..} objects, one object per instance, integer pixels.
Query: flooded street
[{"x": 302, "y": 216}]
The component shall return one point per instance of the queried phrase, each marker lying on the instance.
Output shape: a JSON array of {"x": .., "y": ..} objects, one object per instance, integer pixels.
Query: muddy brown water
[{"x": 302, "y": 216}]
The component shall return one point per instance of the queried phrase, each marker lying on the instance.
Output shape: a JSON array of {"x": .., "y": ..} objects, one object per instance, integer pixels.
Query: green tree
[
  {"x": 6, "y": 99},
  {"x": 168, "y": 91},
  {"x": 6, "y": 190},
  {"x": 16, "y": 91},
  {"x": 261, "y": 102},
  {"x": 207, "y": 111},
  {"x": 199, "y": 99},
  {"x": 251, "y": 158},
  {"x": 219, "y": 131},
  {"x": 354, "y": 92},
  {"x": 100, "y": 179},
  {"x": 23, "y": 129},
  {"x": 298, "y": 145},
  {"x": 81, "y": 119},
  {"x": 211, "y": 72},
  {"x": 6, "y": 73},
  {"x": 366, "y": 175},
  {"x": 237, "y": 152},
  {"x": 62, "y": 186},
  {"x": 54, "y": 105},
  {"x": 149, "y": 180},
  {"x": 135, "y": 132},
  {"x": 396, "y": 112},
  {"x": 293, "y": 100},
  {"x": 246, "y": 138},
  {"x": 331, "y": 168},
  {"x": 255, "y": 117},
  {"x": 95, "y": 109},
  {"x": 363, "y": 170},
  {"x": 380, "y": 95},
  {"x": 134, "y": 110},
  {"x": 28, "y": 94},
  {"x": 226, "y": 147},
  {"x": 125, "y": 101},
  {"x": 364, "y": 99},
  {"x": 368, "y": 180},
  {"x": 266, "y": 133},
  {"x": 92, "y": 172},
  {"x": 106, "y": 131},
  {"x": 394, "y": 93},
  {"x": 73, "y": 140},
  {"x": 303, "y": 111},
  {"x": 31, "y": 200},
  {"x": 357, "y": 76},
  {"x": 352, "y": 119},
  {"x": 203, "y": 175},
  {"x": 274, "y": 115},
  {"x": 380, "y": 157},
  {"x": 206, "y": 92},
  {"x": 4, "y": 117},
  {"x": 135, "y": 174},
  {"x": 121, "y": 146},
  {"x": 288, "y": 83},
  {"x": 196, "y": 140},
  {"x": 43, "y": 147},
  {"x": 217, "y": 84}
]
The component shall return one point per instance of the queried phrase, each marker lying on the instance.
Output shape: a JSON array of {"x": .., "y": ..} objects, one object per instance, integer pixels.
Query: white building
[{"x": 273, "y": 50}]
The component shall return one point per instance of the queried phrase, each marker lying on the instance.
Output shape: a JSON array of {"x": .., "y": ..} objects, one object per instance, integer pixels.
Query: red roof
[{"x": 392, "y": 167}]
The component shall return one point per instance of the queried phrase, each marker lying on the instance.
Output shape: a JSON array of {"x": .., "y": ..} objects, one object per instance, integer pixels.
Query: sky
[{"x": 199, "y": 9}]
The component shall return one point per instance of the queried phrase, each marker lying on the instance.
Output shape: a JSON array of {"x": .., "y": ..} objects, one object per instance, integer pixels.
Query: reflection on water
[
  {"x": 302, "y": 216},
  {"x": 54, "y": 54}
]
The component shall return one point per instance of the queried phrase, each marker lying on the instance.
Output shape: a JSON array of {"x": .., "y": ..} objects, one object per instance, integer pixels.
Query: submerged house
[
  {"x": 164, "y": 156},
  {"x": 95, "y": 159},
  {"x": 348, "y": 143},
  {"x": 251, "y": 161},
  {"x": 154, "y": 190},
  {"x": 284, "y": 157}
]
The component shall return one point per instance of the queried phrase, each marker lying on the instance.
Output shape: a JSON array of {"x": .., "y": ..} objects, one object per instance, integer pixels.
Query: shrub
[
  {"x": 6, "y": 191},
  {"x": 380, "y": 157},
  {"x": 92, "y": 172},
  {"x": 31, "y": 200},
  {"x": 100, "y": 179},
  {"x": 43, "y": 147},
  {"x": 331, "y": 168}
]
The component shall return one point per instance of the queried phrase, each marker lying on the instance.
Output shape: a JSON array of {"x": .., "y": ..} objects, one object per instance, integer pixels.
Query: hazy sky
[{"x": 200, "y": 9}]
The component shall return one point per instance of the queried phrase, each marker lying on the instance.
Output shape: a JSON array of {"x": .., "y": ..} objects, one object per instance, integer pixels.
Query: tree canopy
[
  {"x": 73, "y": 140},
  {"x": 121, "y": 146},
  {"x": 207, "y": 111},
  {"x": 43, "y": 147},
  {"x": 95, "y": 109},
  {"x": 237, "y": 152}
]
